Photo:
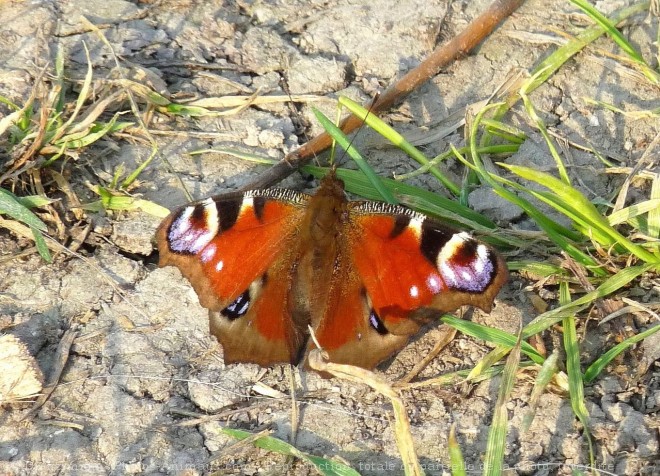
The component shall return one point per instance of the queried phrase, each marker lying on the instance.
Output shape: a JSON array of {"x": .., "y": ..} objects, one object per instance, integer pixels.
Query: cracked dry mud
[{"x": 143, "y": 361}]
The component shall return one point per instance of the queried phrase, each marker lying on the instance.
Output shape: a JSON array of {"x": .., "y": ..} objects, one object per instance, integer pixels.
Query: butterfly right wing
[
  {"x": 238, "y": 252},
  {"x": 398, "y": 269}
]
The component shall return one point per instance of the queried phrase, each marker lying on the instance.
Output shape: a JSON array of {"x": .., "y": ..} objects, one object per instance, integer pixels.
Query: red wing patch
[
  {"x": 222, "y": 263},
  {"x": 397, "y": 276},
  {"x": 265, "y": 333},
  {"x": 408, "y": 262},
  {"x": 349, "y": 331}
]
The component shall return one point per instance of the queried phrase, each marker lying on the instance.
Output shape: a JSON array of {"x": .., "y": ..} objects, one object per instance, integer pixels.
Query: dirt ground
[{"x": 143, "y": 367}]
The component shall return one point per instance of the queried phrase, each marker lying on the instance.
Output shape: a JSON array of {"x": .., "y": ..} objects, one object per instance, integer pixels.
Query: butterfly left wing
[
  {"x": 237, "y": 251},
  {"x": 398, "y": 268}
]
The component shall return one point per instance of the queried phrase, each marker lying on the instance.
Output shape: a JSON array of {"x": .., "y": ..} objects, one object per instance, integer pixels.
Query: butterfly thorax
[{"x": 326, "y": 211}]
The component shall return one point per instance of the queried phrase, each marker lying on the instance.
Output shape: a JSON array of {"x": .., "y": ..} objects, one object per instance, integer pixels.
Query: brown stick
[{"x": 459, "y": 46}]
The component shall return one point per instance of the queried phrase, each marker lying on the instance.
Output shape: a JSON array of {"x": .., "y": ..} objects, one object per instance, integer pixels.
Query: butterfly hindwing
[
  {"x": 348, "y": 328},
  {"x": 260, "y": 328}
]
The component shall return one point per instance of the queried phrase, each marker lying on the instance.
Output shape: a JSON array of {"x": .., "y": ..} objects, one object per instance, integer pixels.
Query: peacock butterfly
[{"x": 364, "y": 275}]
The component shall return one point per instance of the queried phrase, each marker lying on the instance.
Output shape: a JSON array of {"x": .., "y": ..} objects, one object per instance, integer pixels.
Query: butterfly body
[{"x": 364, "y": 275}]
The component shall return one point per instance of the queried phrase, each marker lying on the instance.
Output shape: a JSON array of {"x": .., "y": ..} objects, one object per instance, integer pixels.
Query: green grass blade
[
  {"x": 82, "y": 96},
  {"x": 455, "y": 454},
  {"x": 536, "y": 269},
  {"x": 580, "y": 222},
  {"x": 487, "y": 362},
  {"x": 54, "y": 157},
  {"x": 601, "y": 362},
  {"x": 493, "y": 150},
  {"x": 183, "y": 110},
  {"x": 32, "y": 201},
  {"x": 114, "y": 201},
  {"x": 540, "y": 125},
  {"x": 506, "y": 131},
  {"x": 9, "y": 103},
  {"x": 455, "y": 378},
  {"x": 653, "y": 224},
  {"x": 494, "y": 458},
  {"x": 490, "y": 334},
  {"x": 575, "y": 384},
  {"x": 538, "y": 216},
  {"x": 9, "y": 205},
  {"x": 611, "y": 30},
  {"x": 324, "y": 466},
  {"x": 583, "y": 206},
  {"x": 26, "y": 117},
  {"x": 567, "y": 193},
  {"x": 377, "y": 124},
  {"x": 555, "y": 232},
  {"x": 136, "y": 173},
  {"x": 362, "y": 164},
  {"x": 82, "y": 139},
  {"x": 41, "y": 245},
  {"x": 58, "y": 81},
  {"x": 652, "y": 207}
]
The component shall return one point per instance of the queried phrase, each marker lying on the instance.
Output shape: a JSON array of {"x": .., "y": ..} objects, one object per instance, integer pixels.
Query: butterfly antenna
[
  {"x": 359, "y": 129},
  {"x": 300, "y": 124},
  {"x": 303, "y": 125}
]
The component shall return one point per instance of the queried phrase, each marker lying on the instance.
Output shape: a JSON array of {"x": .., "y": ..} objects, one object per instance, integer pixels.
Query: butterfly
[{"x": 268, "y": 264}]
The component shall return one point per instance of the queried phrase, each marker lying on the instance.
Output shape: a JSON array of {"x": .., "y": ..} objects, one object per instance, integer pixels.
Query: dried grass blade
[
  {"x": 401, "y": 425},
  {"x": 490, "y": 334},
  {"x": 494, "y": 458}
]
